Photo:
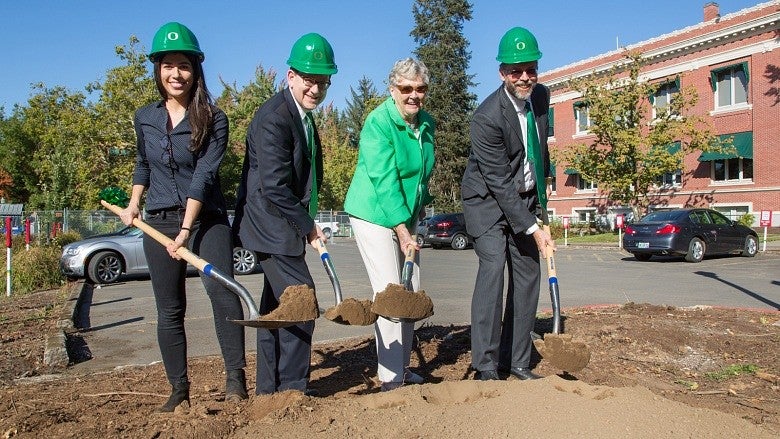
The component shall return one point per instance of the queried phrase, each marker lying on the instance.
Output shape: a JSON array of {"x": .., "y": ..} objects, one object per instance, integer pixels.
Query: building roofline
[{"x": 716, "y": 37}]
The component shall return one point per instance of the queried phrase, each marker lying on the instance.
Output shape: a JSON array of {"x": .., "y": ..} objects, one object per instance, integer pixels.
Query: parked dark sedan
[
  {"x": 448, "y": 229},
  {"x": 688, "y": 232}
]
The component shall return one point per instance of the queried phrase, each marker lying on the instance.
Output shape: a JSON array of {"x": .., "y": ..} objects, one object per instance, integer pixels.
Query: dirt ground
[{"x": 655, "y": 372}]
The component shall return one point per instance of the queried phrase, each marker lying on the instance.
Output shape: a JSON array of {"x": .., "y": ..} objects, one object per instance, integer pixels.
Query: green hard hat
[
  {"x": 518, "y": 45},
  {"x": 312, "y": 54},
  {"x": 174, "y": 37}
]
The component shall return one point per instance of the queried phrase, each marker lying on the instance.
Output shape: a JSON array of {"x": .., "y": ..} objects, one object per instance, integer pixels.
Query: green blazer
[{"x": 390, "y": 185}]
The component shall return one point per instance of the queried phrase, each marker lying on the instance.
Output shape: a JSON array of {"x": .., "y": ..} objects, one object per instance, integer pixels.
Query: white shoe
[{"x": 412, "y": 378}]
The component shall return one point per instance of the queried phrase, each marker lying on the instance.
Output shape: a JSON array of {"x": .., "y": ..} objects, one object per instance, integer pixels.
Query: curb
[{"x": 55, "y": 351}]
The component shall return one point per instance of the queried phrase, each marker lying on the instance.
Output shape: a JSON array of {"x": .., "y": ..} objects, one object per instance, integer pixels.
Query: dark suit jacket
[
  {"x": 272, "y": 203},
  {"x": 494, "y": 171}
]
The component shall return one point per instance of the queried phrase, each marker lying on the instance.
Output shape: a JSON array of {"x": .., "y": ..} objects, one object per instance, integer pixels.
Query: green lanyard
[{"x": 314, "y": 199}]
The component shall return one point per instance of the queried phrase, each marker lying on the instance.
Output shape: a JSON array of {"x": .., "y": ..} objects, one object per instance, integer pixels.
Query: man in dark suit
[
  {"x": 504, "y": 181},
  {"x": 277, "y": 203}
]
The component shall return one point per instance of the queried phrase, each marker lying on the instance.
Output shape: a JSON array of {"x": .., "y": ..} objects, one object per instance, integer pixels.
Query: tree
[
  {"x": 240, "y": 106},
  {"x": 631, "y": 149},
  {"x": 358, "y": 109},
  {"x": 442, "y": 47},
  {"x": 125, "y": 89},
  {"x": 16, "y": 151},
  {"x": 338, "y": 158}
]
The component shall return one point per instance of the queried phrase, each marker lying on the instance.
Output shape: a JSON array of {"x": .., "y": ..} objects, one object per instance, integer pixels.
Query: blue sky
[{"x": 71, "y": 43}]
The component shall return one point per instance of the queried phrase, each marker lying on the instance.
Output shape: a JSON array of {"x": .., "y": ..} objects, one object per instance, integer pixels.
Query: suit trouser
[
  {"x": 212, "y": 241},
  {"x": 283, "y": 355},
  {"x": 384, "y": 262},
  {"x": 496, "y": 344}
]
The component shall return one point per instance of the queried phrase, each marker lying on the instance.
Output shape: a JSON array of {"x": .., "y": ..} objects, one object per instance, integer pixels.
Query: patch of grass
[
  {"x": 605, "y": 238},
  {"x": 691, "y": 385},
  {"x": 732, "y": 371}
]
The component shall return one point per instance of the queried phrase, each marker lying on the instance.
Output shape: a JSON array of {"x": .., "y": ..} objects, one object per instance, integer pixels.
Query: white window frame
[
  {"x": 733, "y": 82},
  {"x": 740, "y": 178},
  {"x": 584, "y": 185},
  {"x": 579, "y": 110},
  {"x": 666, "y": 91},
  {"x": 675, "y": 177}
]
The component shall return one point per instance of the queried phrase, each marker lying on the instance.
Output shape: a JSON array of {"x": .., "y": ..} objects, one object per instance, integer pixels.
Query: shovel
[
  {"x": 345, "y": 312},
  {"x": 558, "y": 348},
  {"x": 209, "y": 270},
  {"x": 399, "y": 303}
]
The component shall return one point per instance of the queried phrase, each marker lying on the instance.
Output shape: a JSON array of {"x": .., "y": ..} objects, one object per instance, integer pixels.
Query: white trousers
[{"x": 384, "y": 262}]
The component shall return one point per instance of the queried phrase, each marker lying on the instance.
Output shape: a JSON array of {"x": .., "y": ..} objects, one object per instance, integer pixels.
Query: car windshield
[
  {"x": 663, "y": 216},
  {"x": 129, "y": 231}
]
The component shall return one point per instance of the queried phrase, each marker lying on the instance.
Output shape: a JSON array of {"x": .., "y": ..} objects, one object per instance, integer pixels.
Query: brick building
[{"x": 733, "y": 61}]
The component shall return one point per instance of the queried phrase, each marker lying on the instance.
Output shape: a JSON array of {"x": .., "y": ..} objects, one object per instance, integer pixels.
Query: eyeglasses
[
  {"x": 311, "y": 81},
  {"x": 408, "y": 89},
  {"x": 517, "y": 72}
]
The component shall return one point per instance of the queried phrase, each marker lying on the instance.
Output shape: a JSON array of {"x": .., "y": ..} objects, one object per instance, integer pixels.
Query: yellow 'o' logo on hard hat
[
  {"x": 173, "y": 35},
  {"x": 520, "y": 45},
  {"x": 318, "y": 55}
]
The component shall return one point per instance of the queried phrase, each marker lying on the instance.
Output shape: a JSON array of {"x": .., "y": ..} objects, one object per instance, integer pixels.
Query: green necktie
[
  {"x": 535, "y": 155},
  {"x": 314, "y": 199}
]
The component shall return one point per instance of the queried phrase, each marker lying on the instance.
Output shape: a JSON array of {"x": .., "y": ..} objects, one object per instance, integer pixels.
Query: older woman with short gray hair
[{"x": 387, "y": 195}]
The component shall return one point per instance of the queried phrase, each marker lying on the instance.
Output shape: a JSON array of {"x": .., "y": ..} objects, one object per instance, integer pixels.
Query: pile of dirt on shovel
[
  {"x": 563, "y": 353},
  {"x": 298, "y": 303},
  {"x": 352, "y": 312},
  {"x": 395, "y": 301}
]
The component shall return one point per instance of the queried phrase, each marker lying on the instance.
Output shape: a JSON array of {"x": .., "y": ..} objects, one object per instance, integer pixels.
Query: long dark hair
[{"x": 200, "y": 107}]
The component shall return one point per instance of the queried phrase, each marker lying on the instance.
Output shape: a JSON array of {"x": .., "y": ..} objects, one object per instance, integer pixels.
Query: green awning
[
  {"x": 742, "y": 144},
  {"x": 570, "y": 171},
  {"x": 552, "y": 169}
]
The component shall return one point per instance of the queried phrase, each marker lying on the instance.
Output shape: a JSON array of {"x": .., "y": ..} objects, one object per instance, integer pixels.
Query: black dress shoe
[
  {"x": 523, "y": 373},
  {"x": 486, "y": 375}
]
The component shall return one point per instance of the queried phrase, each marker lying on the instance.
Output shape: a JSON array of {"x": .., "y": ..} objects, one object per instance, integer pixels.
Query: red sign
[
  {"x": 566, "y": 222},
  {"x": 619, "y": 221},
  {"x": 766, "y": 218},
  {"x": 8, "y": 242}
]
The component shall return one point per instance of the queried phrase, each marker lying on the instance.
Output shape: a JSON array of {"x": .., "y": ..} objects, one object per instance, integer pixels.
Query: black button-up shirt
[{"x": 167, "y": 168}]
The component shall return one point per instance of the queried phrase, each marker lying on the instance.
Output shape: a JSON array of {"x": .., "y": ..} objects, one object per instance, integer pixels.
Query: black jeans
[{"x": 211, "y": 240}]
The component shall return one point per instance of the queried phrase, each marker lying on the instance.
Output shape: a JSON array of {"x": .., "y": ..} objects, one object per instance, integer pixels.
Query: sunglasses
[
  {"x": 518, "y": 72},
  {"x": 408, "y": 89}
]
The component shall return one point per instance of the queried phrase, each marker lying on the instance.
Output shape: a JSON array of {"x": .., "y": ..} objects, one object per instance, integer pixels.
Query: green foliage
[
  {"x": 240, "y": 106},
  {"x": 358, "y": 107},
  {"x": 632, "y": 149},
  {"x": 747, "y": 219},
  {"x": 339, "y": 159},
  {"x": 65, "y": 238},
  {"x": 34, "y": 270},
  {"x": 442, "y": 47},
  {"x": 732, "y": 371}
]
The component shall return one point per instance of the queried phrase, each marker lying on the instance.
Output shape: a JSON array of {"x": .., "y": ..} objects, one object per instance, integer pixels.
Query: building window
[
  {"x": 551, "y": 122},
  {"x": 733, "y": 169},
  {"x": 730, "y": 85},
  {"x": 581, "y": 118},
  {"x": 670, "y": 179},
  {"x": 663, "y": 96},
  {"x": 585, "y": 185}
]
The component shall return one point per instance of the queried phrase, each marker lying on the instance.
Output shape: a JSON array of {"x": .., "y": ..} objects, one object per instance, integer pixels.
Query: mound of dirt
[{"x": 655, "y": 371}]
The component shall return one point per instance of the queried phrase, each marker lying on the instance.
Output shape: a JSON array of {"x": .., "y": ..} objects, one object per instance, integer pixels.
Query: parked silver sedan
[{"x": 103, "y": 258}]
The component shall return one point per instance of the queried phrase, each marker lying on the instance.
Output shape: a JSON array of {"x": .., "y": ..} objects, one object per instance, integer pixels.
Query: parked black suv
[{"x": 448, "y": 229}]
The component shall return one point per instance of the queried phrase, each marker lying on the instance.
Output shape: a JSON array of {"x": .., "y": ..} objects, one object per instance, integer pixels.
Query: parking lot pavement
[{"x": 121, "y": 325}]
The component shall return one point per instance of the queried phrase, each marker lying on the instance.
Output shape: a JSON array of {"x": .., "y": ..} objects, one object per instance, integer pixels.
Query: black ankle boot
[
  {"x": 179, "y": 394},
  {"x": 235, "y": 386}
]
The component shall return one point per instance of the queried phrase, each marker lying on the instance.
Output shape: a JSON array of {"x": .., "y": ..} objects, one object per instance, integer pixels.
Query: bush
[
  {"x": 747, "y": 219},
  {"x": 65, "y": 238},
  {"x": 33, "y": 270}
]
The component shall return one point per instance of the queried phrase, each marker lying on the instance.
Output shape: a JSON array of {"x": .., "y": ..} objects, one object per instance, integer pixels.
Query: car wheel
[
  {"x": 695, "y": 250},
  {"x": 326, "y": 231},
  {"x": 751, "y": 246},
  {"x": 420, "y": 240},
  {"x": 643, "y": 257},
  {"x": 459, "y": 242},
  {"x": 104, "y": 268},
  {"x": 244, "y": 261}
]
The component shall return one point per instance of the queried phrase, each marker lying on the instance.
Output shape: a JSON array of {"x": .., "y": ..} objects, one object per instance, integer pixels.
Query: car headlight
[{"x": 73, "y": 251}]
